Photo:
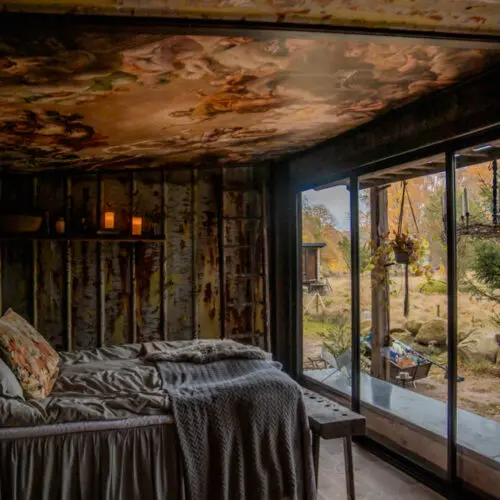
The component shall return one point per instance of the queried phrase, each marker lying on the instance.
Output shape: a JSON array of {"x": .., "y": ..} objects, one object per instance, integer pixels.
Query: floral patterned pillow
[{"x": 30, "y": 357}]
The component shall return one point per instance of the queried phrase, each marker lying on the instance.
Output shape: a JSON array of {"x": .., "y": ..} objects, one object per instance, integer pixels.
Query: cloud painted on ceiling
[{"x": 117, "y": 99}]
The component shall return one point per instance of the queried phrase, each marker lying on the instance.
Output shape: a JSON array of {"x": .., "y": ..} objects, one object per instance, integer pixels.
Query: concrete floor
[{"x": 374, "y": 478}]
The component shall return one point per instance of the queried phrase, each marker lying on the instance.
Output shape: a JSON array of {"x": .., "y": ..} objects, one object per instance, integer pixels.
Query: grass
[{"x": 312, "y": 329}]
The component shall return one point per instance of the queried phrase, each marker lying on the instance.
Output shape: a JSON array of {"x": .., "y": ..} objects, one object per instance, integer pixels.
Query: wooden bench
[{"x": 329, "y": 420}]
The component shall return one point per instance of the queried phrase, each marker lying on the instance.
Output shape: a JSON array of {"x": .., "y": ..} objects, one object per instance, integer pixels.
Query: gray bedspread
[{"x": 242, "y": 424}]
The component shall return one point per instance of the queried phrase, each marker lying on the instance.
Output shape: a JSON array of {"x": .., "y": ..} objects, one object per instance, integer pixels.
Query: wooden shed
[{"x": 311, "y": 260}]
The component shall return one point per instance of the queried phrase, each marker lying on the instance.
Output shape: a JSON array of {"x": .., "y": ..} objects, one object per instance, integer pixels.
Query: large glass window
[
  {"x": 326, "y": 284},
  {"x": 406, "y": 389},
  {"x": 404, "y": 298},
  {"x": 478, "y": 258}
]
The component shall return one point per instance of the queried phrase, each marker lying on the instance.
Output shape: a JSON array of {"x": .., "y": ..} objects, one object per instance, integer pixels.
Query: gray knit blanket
[{"x": 242, "y": 424}]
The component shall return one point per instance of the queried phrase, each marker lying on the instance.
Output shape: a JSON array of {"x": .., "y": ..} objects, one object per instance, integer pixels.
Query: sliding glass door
[
  {"x": 401, "y": 306},
  {"x": 326, "y": 286}
]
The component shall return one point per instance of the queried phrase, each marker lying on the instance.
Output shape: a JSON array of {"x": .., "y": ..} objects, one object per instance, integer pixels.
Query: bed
[{"x": 106, "y": 431}]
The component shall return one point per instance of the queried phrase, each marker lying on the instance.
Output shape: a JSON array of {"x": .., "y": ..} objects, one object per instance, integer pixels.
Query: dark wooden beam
[
  {"x": 101, "y": 295},
  {"x": 34, "y": 284},
  {"x": 59, "y": 18},
  {"x": 401, "y": 135},
  {"x": 194, "y": 252},
  {"x": 163, "y": 260},
  {"x": 68, "y": 277},
  {"x": 285, "y": 266},
  {"x": 132, "y": 259}
]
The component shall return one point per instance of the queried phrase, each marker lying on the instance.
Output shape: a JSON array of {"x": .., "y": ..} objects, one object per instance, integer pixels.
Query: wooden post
[
  {"x": 133, "y": 302},
  {"x": 194, "y": 252},
  {"x": 101, "y": 295},
  {"x": 317, "y": 264},
  {"x": 34, "y": 291},
  {"x": 163, "y": 260},
  {"x": 380, "y": 289}
]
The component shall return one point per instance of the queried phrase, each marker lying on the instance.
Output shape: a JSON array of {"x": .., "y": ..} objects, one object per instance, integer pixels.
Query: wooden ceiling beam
[{"x": 128, "y": 19}]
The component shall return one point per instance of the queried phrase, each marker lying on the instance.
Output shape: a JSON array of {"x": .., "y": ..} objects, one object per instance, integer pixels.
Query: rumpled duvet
[{"x": 109, "y": 383}]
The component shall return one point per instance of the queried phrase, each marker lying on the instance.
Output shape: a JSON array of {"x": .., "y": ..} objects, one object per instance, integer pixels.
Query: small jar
[{"x": 60, "y": 225}]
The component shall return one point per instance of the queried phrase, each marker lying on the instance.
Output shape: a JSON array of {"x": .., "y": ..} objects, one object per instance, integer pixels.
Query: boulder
[
  {"x": 432, "y": 331},
  {"x": 481, "y": 345},
  {"x": 463, "y": 334},
  {"x": 397, "y": 329},
  {"x": 366, "y": 324},
  {"x": 413, "y": 326}
]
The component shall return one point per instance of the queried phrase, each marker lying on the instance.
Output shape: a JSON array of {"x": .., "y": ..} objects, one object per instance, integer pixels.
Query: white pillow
[{"x": 9, "y": 385}]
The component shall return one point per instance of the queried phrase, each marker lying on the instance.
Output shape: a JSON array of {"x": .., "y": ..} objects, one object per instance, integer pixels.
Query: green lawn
[{"x": 311, "y": 329}]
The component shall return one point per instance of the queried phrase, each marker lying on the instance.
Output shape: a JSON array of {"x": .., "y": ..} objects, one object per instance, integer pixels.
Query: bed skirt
[{"x": 113, "y": 460}]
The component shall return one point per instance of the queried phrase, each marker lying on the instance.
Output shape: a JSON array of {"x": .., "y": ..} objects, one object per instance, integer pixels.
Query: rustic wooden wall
[{"x": 61, "y": 297}]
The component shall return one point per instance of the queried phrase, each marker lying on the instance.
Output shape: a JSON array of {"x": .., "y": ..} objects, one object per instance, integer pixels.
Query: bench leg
[
  {"x": 316, "y": 440},
  {"x": 349, "y": 468}
]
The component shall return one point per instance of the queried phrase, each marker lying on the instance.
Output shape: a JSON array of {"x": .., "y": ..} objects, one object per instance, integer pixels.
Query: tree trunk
[{"x": 380, "y": 288}]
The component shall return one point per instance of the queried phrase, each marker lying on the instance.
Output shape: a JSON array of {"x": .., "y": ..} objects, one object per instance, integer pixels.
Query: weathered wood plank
[
  {"x": 115, "y": 194},
  {"x": 148, "y": 203},
  {"x": 84, "y": 301},
  {"x": 207, "y": 268},
  {"x": 179, "y": 267},
  {"x": 51, "y": 303}
]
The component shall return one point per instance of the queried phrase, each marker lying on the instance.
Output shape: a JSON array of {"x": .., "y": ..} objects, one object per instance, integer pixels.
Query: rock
[
  {"x": 463, "y": 334},
  {"x": 397, "y": 329},
  {"x": 481, "y": 345},
  {"x": 366, "y": 324},
  {"x": 433, "y": 330},
  {"x": 413, "y": 326}
]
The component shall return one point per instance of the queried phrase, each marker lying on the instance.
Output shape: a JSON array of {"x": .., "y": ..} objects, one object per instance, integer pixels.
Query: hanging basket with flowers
[{"x": 402, "y": 248}]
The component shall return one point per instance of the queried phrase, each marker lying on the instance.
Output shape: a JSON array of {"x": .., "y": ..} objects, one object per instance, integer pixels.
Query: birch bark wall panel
[{"x": 58, "y": 283}]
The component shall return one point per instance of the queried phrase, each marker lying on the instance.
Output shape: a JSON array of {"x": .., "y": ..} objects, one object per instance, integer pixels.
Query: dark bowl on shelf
[{"x": 17, "y": 223}]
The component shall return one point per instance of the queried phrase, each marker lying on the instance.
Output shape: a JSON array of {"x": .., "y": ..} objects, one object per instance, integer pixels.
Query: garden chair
[{"x": 339, "y": 364}]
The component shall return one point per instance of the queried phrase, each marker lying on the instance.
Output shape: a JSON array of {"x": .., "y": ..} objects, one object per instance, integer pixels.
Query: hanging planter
[
  {"x": 404, "y": 248},
  {"x": 401, "y": 256}
]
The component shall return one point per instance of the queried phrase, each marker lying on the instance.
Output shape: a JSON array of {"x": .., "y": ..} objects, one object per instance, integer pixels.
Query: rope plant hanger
[
  {"x": 404, "y": 245},
  {"x": 403, "y": 248}
]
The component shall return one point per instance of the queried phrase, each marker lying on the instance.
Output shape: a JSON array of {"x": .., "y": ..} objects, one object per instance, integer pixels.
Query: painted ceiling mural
[
  {"x": 91, "y": 99},
  {"x": 443, "y": 15}
]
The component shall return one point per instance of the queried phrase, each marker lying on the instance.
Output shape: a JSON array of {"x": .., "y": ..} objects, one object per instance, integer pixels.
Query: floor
[{"x": 374, "y": 478}]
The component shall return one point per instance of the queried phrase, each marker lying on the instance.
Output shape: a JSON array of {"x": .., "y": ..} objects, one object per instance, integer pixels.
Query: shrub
[{"x": 433, "y": 286}]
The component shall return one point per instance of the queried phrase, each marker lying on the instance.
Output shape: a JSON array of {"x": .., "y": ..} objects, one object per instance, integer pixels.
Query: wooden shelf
[{"x": 81, "y": 237}]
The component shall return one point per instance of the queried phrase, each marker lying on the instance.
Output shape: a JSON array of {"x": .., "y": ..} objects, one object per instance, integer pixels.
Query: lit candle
[
  {"x": 136, "y": 226},
  {"x": 109, "y": 220},
  {"x": 60, "y": 225}
]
